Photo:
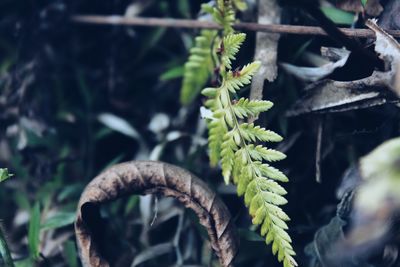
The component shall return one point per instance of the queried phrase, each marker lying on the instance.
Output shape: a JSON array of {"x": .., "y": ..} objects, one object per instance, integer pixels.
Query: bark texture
[
  {"x": 147, "y": 177},
  {"x": 269, "y": 12}
]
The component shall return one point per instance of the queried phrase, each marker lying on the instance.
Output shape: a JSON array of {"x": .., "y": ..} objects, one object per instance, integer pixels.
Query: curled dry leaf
[
  {"x": 389, "y": 50},
  {"x": 149, "y": 177},
  {"x": 330, "y": 96}
]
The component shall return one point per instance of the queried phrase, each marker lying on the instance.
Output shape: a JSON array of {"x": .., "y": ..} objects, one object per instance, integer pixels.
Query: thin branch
[{"x": 196, "y": 24}]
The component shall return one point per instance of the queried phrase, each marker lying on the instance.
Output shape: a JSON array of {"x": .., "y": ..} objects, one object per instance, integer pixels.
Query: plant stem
[
  {"x": 195, "y": 24},
  {"x": 5, "y": 251}
]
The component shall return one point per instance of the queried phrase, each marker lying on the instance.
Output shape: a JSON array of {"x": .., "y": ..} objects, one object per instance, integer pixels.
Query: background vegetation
[{"x": 77, "y": 98}]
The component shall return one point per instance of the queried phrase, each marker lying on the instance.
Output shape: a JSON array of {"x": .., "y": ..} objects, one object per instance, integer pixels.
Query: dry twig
[{"x": 195, "y": 24}]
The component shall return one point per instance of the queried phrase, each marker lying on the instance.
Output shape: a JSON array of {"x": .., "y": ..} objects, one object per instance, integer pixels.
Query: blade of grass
[
  {"x": 5, "y": 251},
  {"x": 34, "y": 232}
]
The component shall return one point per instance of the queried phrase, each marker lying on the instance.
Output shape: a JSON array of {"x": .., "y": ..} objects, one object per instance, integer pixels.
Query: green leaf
[
  {"x": 132, "y": 202},
  {"x": 172, "y": 73},
  {"x": 229, "y": 47},
  {"x": 252, "y": 133},
  {"x": 237, "y": 79},
  {"x": 338, "y": 16},
  {"x": 59, "y": 220},
  {"x": 184, "y": 8},
  {"x": 244, "y": 107},
  {"x": 216, "y": 132},
  {"x": 240, "y": 4},
  {"x": 4, "y": 251},
  {"x": 34, "y": 232},
  {"x": 70, "y": 254},
  {"x": 270, "y": 172},
  {"x": 199, "y": 67},
  {"x": 25, "y": 263},
  {"x": 259, "y": 153},
  {"x": 210, "y": 92},
  {"x": 4, "y": 175},
  {"x": 228, "y": 153}
]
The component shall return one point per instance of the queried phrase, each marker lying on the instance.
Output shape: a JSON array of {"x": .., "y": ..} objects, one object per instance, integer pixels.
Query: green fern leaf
[
  {"x": 217, "y": 130},
  {"x": 242, "y": 160},
  {"x": 224, "y": 14},
  {"x": 270, "y": 172},
  {"x": 228, "y": 148},
  {"x": 244, "y": 108},
  {"x": 199, "y": 67},
  {"x": 232, "y": 142},
  {"x": 237, "y": 79},
  {"x": 260, "y": 153},
  {"x": 229, "y": 47},
  {"x": 252, "y": 133}
]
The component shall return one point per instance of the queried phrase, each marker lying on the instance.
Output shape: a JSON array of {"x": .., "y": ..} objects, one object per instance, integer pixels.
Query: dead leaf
[
  {"x": 389, "y": 50},
  {"x": 337, "y": 96},
  {"x": 317, "y": 73},
  {"x": 150, "y": 177}
]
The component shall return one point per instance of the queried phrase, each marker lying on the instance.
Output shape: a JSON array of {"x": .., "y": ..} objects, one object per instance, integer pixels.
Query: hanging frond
[
  {"x": 199, "y": 67},
  {"x": 242, "y": 161}
]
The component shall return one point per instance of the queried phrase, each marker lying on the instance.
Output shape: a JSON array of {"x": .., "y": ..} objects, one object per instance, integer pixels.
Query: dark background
[{"x": 57, "y": 77}]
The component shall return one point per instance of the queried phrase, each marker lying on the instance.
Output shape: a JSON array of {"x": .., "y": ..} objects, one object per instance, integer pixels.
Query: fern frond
[
  {"x": 224, "y": 14},
  {"x": 216, "y": 130},
  {"x": 200, "y": 64},
  {"x": 198, "y": 68},
  {"x": 242, "y": 160},
  {"x": 237, "y": 79},
  {"x": 260, "y": 153},
  {"x": 246, "y": 108},
  {"x": 230, "y": 47},
  {"x": 251, "y": 133}
]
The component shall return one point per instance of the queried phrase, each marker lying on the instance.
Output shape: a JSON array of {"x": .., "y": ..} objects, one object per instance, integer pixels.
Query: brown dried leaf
[
  {"x": 147, "y": 177},
  {"x": 337, "y": 96},
  {"x": 389, "y": 50}
]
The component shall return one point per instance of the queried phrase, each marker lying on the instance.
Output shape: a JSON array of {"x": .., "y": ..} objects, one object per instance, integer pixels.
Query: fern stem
[{"x": 5, "y": 251}]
